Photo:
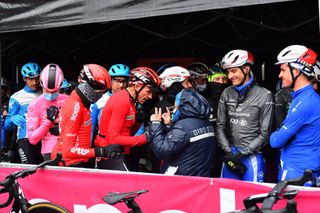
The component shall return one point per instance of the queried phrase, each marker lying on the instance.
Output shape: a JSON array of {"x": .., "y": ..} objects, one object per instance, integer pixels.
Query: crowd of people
[{"x": 195, "y": 120}]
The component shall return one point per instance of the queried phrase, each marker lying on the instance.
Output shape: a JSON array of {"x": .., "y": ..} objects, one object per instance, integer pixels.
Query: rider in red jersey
[
  {"x": 74, "y": 142},
  {"x": 118, "y": 118}
]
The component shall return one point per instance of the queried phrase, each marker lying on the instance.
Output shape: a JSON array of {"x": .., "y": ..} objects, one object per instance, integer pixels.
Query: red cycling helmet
[
  {"x": 96, "y": 76},
  {"x": 144, "y": 75}
]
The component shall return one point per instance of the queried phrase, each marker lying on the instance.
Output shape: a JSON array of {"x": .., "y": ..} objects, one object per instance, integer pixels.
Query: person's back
[{"x": 188, "y": 146}]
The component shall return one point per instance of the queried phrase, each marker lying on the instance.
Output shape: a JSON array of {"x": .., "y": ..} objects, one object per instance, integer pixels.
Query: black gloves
[
  {"x": 52, "y": 113},
  {"x": 234, "y": 164},
  {"x": 55, "y": 130},
  {"x": 110, "y": 151}
]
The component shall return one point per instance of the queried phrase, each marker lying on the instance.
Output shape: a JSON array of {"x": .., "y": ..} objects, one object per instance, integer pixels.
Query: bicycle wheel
[{"x": 46, "y": 207}]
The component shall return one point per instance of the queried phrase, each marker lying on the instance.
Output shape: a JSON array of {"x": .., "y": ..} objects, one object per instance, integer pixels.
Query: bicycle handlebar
[
  {"x": 11, "y": 179},
  {"x": 273, "y": 196}
]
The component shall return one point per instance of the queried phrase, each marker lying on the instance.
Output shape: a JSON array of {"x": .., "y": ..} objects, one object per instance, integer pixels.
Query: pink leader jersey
[{"x": 38, "y": 125}]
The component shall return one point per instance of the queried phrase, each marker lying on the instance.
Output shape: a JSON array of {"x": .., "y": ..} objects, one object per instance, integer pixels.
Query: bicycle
[
  {"x": 277, "y": 193},
  {"x": 128, "y": 198},
  {"x": 10, "y": 185},
  {"x": 20, "y": 202}
]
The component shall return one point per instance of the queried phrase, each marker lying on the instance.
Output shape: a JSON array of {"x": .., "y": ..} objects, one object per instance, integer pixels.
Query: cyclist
[
  {"x": 299, "y": 136},
  {"x": 199, "y": 76},
  {"x": 243, "y": 120},
  {"x": 217, "y": 82},
  {"x": 18, "y": 107},
  {"x": 173, "y": 80},
  {"x": 119, "y": 74},
  {"x": 42, "y": 118},
  {"x": 187, "y": 147},
  {"x": 65, "y": 88},
  {"x": 118, "y": 117},
  {"x": 74, "y": 141}
]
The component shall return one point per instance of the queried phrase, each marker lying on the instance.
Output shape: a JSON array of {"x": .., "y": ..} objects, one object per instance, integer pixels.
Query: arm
[
  {"x": 36, "y": 130},
  {"x": 291, "y": 125},
  {"x": 13, "y": 110},
  {"x": 266, "y": 115},
  {"x": 222, "y": 121},
  {"x": 69, "y": 134},
  {"x": 167, "y": 145}
]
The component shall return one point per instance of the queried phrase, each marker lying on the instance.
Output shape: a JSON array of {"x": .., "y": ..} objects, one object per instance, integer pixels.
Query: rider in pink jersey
[{"x": 42, "y": 117}]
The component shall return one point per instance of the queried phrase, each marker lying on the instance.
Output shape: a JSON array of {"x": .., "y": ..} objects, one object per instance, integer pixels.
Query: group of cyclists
[{"x": 194, "y": 120}]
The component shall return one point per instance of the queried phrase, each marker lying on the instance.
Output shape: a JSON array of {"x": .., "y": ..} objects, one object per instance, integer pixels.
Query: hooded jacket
[{"x": 188, "y": 145}]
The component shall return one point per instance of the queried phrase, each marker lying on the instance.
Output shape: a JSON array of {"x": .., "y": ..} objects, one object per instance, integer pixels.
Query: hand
[
  {"x": 18, "y": 120},
  {"x": 157, "y": 114},
  {"x": 167, "y": 117},
  {"x": 147, "y": 134},
  {"x": 52, "y": 113},
  {"x": 110, "y": 151},
  {"x": 234, "y": 164},
  {"x": 55, "y": 130}
]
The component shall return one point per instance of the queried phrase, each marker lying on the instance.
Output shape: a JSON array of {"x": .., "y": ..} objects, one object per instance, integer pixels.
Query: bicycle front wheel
[{"x": 47, "y": 207}]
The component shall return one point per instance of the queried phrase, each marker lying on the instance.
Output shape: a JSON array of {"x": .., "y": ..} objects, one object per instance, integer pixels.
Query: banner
[{"x": 82, "y": 190}]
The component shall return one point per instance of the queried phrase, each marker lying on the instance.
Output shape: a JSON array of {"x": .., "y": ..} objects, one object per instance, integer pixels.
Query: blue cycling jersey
[
  {"x": 18, "y": 104},
  {"x": 96, "y": 109},
  {"x": 299, "y": 135}
]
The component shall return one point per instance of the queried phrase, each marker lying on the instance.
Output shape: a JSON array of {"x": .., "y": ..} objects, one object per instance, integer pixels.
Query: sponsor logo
[
  {"x": 129, "y": 117},
  {"x": 202, "y": 130},
  {"x": 243, "y": 122},
  {"x": 80, "y": 151},
  {"x": 239, "y": 114},
  {"x": 76, "y": 110},
  {"x": 88, "y": 122}
]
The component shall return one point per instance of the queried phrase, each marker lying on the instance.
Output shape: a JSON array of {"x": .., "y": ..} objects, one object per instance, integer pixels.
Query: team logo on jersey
[
  {"x": 87, "y": 123},
  {"x": 129, "y": 117},
  {"x": 243, "y": 122},
  {"x": 76, "y": 110}
]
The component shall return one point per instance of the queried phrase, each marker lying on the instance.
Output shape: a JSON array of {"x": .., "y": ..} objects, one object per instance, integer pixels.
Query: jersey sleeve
[
  {"x": 12, "y": 111},
  {"x": 168, "y": 145},
  {"x": 222, "y": 124},
  {"x": 72, "y": 118},
  {"x": 291, "y": 125},
  {"x": 36, "y": 130}
]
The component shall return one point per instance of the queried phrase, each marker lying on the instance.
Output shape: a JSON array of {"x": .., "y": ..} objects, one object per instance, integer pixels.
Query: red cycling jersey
[
  {"x": 118, "y": 123},
  {"x": 74, "y": 141}
]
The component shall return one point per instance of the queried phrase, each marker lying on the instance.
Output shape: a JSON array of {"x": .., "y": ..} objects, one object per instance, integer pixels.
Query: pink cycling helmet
[{"x": 51, "y": 78}]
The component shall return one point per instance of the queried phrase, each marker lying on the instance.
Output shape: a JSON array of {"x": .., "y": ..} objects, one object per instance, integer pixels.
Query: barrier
[{"x": 82, "y": 190}]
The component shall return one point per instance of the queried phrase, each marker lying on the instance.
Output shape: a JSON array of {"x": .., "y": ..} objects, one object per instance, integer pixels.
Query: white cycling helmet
[
  {"x": 299, "y": 57},
  {"x": 172, "y": 75},
  {"x": 236, "y": 58}
]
